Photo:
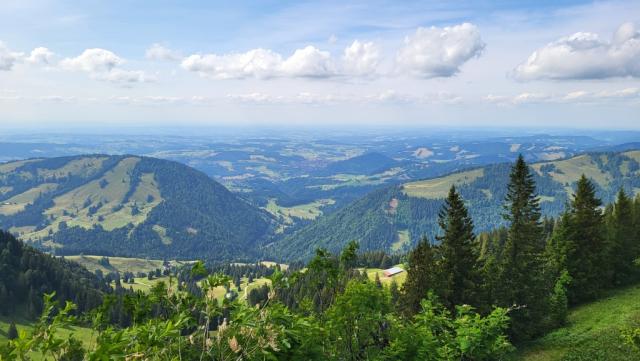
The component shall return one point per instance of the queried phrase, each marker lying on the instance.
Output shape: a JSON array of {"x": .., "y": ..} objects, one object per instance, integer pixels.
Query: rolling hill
[
  {"x": 367, "y": 164},
  {"x": 127, "y": 206},
  {"x": 393, "y": 218}
]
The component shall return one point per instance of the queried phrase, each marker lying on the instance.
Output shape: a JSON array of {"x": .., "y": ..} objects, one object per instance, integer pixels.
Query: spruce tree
[
  {"x": 421, "y": 277},
  {"x": 623, "y": 241},
  {"x": 582, "y": 239},
  {"x": 520, "y": 282},
  {"x": 457, "y": 254}
]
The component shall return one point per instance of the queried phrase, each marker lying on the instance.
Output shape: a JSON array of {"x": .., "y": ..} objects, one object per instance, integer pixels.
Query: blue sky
[{"x": 418, "y": 63}]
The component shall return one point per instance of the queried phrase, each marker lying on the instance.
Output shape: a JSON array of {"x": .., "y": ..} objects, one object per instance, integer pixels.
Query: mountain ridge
[
  {"x": 127, "y": 205},
  {"x": 394, "y": 218}
]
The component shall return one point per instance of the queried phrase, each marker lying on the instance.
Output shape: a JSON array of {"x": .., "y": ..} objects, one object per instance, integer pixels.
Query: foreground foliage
[{"x": 358, "y": 326}]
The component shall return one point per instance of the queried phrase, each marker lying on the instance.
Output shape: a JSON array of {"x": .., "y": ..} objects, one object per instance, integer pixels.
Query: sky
[{"x": 79, "y": 64}]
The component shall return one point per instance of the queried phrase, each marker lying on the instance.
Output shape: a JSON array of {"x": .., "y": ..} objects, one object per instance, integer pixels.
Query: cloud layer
[
  {"x": 578, "y": 96},
  {"x": 430, "y": 52},
  {"x": 584, "y": 55}
]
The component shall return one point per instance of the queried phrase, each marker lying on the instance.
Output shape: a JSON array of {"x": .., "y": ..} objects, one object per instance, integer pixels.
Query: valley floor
[{"x": 593, "y": 331}]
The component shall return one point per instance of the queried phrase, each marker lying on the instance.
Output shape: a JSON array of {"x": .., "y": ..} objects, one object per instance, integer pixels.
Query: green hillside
[
  {"x": 127, "y": 206},
  {"x": 592, "y": 332},
  {"x": 386, "y": 218}
]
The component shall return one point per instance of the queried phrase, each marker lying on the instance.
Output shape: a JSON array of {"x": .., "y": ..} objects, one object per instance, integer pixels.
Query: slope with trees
[
  {"x": 381, "y": 219},
  {"x": 127, "y": 206}
]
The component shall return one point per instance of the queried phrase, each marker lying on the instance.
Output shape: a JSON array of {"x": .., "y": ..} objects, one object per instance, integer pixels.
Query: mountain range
[{"x": 146, "y": 207}]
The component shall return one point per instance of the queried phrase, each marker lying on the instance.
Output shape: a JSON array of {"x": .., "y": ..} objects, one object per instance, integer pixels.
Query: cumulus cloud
[
  {"x": 93, "y": 60},
  {"x": 159, "y": 52},
  {"x": 8, "y": 58},
  {"x": 104, "y": 65},
  {"x": 430, "y": 52},
  {"x": 361, "y": 58},
  {"x": 309, "y": 62},
  {"x": 584, "y": 55},
  {"x": 262, "y": 64},
  {"x": 40, "y": 56},
  {"x": 439, "y": 52}
]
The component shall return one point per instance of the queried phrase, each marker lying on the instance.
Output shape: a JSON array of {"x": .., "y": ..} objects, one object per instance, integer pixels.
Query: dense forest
[
  {"x": 26, "y": 273},
  {"x": 466, "y": 296}
]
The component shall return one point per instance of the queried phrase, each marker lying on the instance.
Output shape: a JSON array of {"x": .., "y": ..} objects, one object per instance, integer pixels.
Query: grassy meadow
[{"x": 593, "y": 332}]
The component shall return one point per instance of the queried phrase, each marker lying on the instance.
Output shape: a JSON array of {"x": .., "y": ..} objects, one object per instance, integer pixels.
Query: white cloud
[
  {"x": 439, "y": 52},
  {"x": 392, "y": 96},
  {"x": 124, "y": 76},
  {"x": 585, "y": 56},
  {"x": 92, "y": 61},
  {"x": 257, "y": 97},
  {"x": 258, "y": 63},
  {"x": 8, "y": 58},
  {"x": 309, "y": 62},
  {"x": 159, "y": 52},
  {"x": 430, "y": 52},
  {"x": 40, "y": 56},
  {"x": 104, "y": 65},
  {"x": 361, "y": 58},
  {"x": 385, "y": 97},
  {"x": 577, "y": 96}
]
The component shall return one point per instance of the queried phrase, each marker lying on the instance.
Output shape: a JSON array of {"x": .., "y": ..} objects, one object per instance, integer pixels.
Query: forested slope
[
  {"x": 394, "y": 218},
  {"x": 26, "y": 273},
  {"x": 126, "y": 206}
]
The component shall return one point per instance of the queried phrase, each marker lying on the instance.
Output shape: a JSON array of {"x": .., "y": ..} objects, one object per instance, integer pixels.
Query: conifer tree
[
  {"x": 624, "y": 243},
  {"x": 581, "y": 239},
  {"x": 458, "y": 267},
  {"x": 421, "y": 277},
  {"x": 520, "y": 281}
]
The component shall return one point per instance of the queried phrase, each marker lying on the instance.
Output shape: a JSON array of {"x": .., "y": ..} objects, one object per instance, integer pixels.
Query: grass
[
  {"x": 592, "y": 331},
  {"x": 85, "y": 167},
  {"x": 85, "y": 335},
  {"x": 106, "y": 195},
  {"x": 358, "y": 180},
  {"x": 144, "y": 284},
  {"x": 286, "y": 215},
  {"x": 20, "y": 201},
  {"x": 304, "y": 211},
  {"x": 119, "y": 264},
  {"x": 12, "y": 166},
  {"x": 403, "y": 239},
  {"x": 634, "y": 154},
  {"x": 438, "y": 188},
  {"x": 571, "y": 169},
  {"x": 386, "y": 281}
]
